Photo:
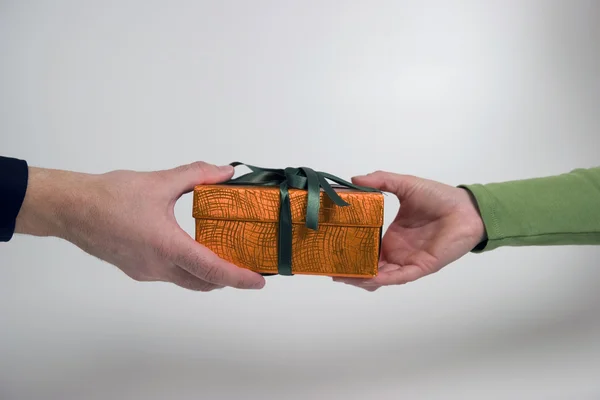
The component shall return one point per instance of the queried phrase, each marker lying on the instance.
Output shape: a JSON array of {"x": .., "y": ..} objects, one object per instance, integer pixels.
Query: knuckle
[
  {"x": 195, "y": 166},
  {"x": 190, "y": 259},
  {"x": 198, "y": 166},
  {"x": 200, "y": 265},
  {"x": 389, "y": 180},
  {"x": 214, "y": 274}
]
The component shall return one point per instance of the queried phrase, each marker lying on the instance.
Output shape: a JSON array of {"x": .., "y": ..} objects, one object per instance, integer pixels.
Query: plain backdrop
[{"x": 460, "y": 92}]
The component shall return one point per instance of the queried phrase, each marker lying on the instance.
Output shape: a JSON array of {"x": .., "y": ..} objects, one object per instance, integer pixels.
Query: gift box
[{"x": 291, "y": 221}]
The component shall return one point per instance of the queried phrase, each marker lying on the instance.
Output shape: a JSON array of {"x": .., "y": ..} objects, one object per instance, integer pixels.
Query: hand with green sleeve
[{"x": 438, "y": 224}]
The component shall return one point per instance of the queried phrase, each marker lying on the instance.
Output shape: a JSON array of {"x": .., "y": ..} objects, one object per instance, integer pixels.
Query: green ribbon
[{"x": 298, "y": 178}]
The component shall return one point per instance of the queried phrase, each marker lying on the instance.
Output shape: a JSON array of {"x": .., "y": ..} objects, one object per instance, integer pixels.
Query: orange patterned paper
[{"x": 240, "y": 224}]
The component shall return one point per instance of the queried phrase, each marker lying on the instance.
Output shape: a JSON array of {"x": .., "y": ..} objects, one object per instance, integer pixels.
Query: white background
[{"x": 460, "y": 92}]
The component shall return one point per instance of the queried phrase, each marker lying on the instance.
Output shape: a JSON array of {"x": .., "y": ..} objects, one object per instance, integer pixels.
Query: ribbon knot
[{"x": 302, "y": 178}]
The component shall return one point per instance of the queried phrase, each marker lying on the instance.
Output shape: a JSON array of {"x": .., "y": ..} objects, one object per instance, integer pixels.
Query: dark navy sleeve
[{"x": 14, "y": 174}]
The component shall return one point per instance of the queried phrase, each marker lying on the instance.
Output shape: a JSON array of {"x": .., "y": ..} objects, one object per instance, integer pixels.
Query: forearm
[
  {"x": 51, "y": 199},
  {"x": 40, "y": 202},
  {"x": 556, "y": 210}
]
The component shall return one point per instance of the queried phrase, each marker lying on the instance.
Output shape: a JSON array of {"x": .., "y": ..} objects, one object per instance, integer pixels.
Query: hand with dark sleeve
[{"x": 123, "y": 217}]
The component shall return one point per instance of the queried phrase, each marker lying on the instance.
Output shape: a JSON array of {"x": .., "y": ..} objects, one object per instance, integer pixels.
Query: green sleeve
[{"x": 555, "y": 210}]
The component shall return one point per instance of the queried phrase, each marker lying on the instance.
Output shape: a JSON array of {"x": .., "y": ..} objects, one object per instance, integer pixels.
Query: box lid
[{"x": 261, "y": 204}]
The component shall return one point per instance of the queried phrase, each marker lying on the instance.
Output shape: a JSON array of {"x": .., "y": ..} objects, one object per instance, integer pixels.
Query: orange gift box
[{"x": 242, "y": 223}]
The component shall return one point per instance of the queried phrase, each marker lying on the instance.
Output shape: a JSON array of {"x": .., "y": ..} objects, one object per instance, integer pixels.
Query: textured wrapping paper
[{"x": 241, "y": 223}]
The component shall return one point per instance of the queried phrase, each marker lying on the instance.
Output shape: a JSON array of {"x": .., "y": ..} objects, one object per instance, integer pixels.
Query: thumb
[
  {"x": 400, "y": 185},
  {"x": 208, "y": 266},
  {"x": 185, "y": 177}
]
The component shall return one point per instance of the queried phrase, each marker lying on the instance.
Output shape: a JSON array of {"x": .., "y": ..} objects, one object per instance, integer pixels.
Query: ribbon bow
[{"x": 302, "y": 178}]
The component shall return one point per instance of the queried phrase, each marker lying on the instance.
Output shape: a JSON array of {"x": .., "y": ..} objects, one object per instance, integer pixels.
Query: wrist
[
  {"x": 51, "y": 199},
  {"x": 474, "y": 218}
]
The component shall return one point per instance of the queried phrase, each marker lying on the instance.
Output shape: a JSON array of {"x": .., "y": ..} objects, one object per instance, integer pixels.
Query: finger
[
  {"x": 184, "y": 279},
  {"x": 400, "y": 185},
  {"x": 365, "y": 283},
  {"x": 389, "y": 274},
  {"x": 206, "y": 265},
  {"x": 369, "y": 288},
  {"x": 401, "y": 275},
  {"x": 381, "y": 269},
  {"x": 185, "y": 177}
]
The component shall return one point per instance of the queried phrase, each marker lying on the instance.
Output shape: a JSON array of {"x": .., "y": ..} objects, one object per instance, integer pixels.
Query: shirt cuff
[
  {"x": 487, "y": 209},
  {"x": 14, "y": 174}
]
